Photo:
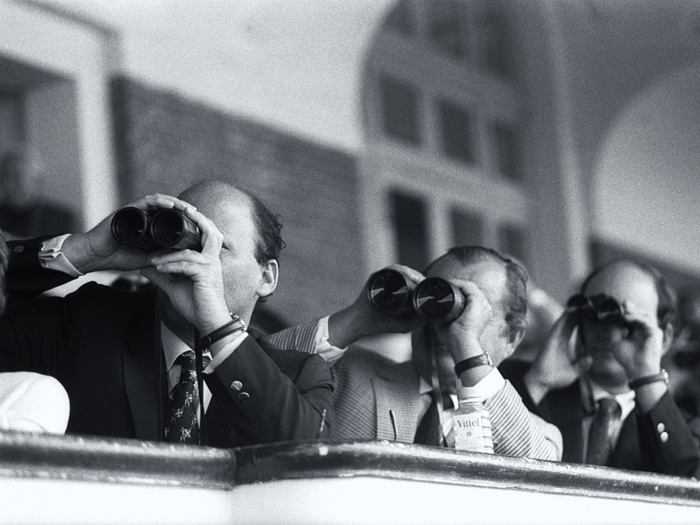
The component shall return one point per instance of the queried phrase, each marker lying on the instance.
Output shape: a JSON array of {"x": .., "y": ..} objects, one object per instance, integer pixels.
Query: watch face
[
  {"x": 437, "y": 299},
  {"x": 389, "y": 291}
]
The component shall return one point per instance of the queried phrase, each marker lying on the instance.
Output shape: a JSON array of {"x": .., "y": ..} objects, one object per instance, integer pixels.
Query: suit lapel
[
  {"x": 396, "y": 389},
  {"x": 567, "y": 413},
  {"x": 627, "y": 453},
  {"x": 144, "y": 379}
]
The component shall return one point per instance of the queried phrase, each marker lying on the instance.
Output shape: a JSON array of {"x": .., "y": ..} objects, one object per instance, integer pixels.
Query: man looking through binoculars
[
  {"x": 378, "y": 398},
  {"x": 599, "y": 376},
  {"x": 120, "y": 354}
]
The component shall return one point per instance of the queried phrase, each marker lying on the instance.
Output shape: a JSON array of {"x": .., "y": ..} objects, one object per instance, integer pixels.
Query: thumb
[{"x": 161, "y": 280}]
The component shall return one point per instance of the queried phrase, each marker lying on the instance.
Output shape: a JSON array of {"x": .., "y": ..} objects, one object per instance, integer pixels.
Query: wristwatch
[
  {"x": 653, "y": 378},
  {"x": 236, "y": 324},
  {"x": 473, "y": 362}
]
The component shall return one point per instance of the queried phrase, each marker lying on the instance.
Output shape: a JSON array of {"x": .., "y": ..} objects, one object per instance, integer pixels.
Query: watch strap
[
  {"x": 236, "y": 324},
  {"x": 473, "y": 362},
  {"x": 653, "y": 378}
]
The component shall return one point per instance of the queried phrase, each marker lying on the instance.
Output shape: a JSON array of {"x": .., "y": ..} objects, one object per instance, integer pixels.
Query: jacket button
[
  {"x": 243, "y": 397},
  {"x": 236, "y": 385},
  {"x": 660, "y": 428},
  {"x": 18, "y": 249},
  {"x": 663, "y": 437}
]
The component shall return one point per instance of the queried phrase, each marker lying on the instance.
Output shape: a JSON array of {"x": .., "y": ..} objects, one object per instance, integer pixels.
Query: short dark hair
[
  {"x": 516, "y": 282},
  {"x": 269, "y": 243},
  {"x": 668, "y": 301}
]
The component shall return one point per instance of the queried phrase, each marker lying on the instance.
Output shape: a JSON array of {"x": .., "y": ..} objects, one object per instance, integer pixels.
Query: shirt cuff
[
  {"x": 326, "y": 350},
  {"x": 487, "y": 387},
  {"x": 52, "y": 258},
  {"x": 225, "y": 353}
]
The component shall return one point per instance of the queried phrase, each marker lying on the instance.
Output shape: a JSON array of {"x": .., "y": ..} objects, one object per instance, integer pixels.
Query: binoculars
[
  {"x": 598, "y": 308},
  {"x": 151, "y": 229},
  {"x": 434, "y": 298}
]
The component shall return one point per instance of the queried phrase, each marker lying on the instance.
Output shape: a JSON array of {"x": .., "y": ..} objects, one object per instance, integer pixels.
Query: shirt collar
[
  {"x": 595, "y": 393},
  {"x": 425, "y": 387},
  {"x": 173, "y": 346}
]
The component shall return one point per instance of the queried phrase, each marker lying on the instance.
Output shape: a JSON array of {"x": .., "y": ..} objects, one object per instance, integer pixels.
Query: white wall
[
  {"x": 293, "y": 64},
  {"x": 70, "y": 119},
  {"x": 647, "y": 181}
]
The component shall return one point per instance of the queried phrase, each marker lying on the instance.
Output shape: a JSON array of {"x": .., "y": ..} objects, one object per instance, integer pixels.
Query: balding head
[
  {"x": 624, "y": 277},
  {"x": 251, "y": 241},
  {"x": 210, "y": 196}
]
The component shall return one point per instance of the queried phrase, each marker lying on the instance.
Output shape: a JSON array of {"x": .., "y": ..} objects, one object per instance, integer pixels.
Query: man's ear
[
  {"x": 515, "y": 338},
  {"x": 669, "y": 332},
  {"x": 268, "y": 278}
]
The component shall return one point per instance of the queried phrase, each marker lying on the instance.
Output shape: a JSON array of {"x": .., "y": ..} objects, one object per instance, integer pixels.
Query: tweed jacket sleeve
[
  {"x": 311, "y": 338},
  {"x": 518, "y": 432}
]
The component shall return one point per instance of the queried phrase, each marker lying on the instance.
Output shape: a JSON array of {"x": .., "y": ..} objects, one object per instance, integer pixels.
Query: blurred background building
[{"x": 561, "y": 132}]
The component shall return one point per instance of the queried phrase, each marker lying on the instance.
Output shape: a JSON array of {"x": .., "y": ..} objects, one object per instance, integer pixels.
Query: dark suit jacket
[
  {"x": 659, "y": 441},
  {"x": 102, "y": 345},
  {"x": 41, "y": 218}
]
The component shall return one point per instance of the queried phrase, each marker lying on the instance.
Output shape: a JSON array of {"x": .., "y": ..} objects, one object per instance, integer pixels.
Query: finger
[
  {"x": 408, "y": 272},
  {"x": 156, "y": 200},
  {"x": 633, "y": 313},
  {"x": 212, "y": 237},
  {"x": 566, "y": 323},
  {"x": 472, "y": 293},
  {"x": 467, "y": 287},
  {"x": 181, "y": 268},
  {"x": 189, "y": 256}
]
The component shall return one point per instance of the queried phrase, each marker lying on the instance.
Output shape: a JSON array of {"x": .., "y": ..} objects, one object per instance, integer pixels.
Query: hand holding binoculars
[
  {"x": 434, "y": 298},
  {"x": 599, "y": 308},
  {"x": 158, "y": 228}
]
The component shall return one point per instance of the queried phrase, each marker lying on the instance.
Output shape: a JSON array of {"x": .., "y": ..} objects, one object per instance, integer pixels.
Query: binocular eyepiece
[
  {"x": 434, "y": 298},
  {"x": 599, "y": 308},
  {"x": 151, "y": 229}
]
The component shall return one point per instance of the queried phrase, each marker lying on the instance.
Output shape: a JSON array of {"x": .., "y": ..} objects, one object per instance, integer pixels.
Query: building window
[
  {"x": 400, "y": 110},
  {"x": 447, "y": 26},
  {"x": 512, "y": 242},
  {"x": 507, "y": 149},
  {"x": 410, "y": 227},
  {"x": 495, "y": 47},
  {"x": 401, "y": 18},
  {"x": 467, "y": 228},
  {"x": 455, "y": 130}
]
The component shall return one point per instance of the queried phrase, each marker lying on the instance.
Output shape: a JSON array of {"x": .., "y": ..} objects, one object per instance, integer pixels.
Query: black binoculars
[
  {"x": 434, "y": 298},
  {"x": 151, "y": 229},
  {"x": 599, "y": 308}
]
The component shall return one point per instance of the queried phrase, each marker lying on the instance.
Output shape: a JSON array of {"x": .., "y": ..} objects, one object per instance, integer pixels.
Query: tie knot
[
  {"x": 610, "y": 407},
  {"x": 187, "y": 361}
]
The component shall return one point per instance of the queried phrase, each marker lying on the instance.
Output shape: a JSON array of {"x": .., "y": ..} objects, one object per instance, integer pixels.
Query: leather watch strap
[{"x": 473, "y": 362}]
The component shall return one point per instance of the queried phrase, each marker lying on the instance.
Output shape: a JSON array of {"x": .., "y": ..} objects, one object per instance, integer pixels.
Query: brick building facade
[{"x": 165, "y": 142}]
